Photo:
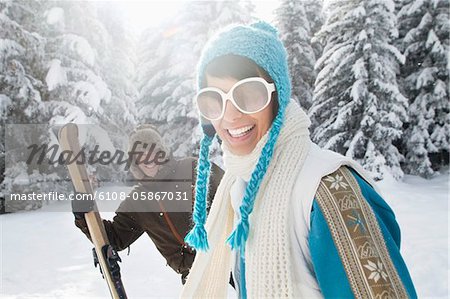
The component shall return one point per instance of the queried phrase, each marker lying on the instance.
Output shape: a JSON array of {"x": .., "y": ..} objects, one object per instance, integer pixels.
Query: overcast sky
[{"x": 145, "y": 13}]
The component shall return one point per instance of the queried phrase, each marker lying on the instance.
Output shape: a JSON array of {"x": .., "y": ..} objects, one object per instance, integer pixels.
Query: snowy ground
[{"x": 45, "y": 256}]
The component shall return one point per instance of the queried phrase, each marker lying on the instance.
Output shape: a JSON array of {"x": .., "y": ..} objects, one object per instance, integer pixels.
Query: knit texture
[
  {"x": 260, "y": 43},
  {"x": 267, "y": 254}
]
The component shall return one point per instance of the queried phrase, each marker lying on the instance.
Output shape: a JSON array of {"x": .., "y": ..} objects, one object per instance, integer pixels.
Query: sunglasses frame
[{"x": 228, "y": 96}]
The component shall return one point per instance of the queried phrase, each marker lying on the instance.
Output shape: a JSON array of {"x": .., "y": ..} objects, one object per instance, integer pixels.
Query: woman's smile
[
  {"x": 241, "y": 134},
  {"x": 236, "y": 133}
]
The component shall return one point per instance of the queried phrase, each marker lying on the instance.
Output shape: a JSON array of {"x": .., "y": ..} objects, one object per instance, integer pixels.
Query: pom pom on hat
[{"x": 266, "y": 27}]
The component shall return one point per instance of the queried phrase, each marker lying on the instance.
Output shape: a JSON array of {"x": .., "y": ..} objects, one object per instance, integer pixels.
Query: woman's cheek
[{"x": 216, "y": 125}]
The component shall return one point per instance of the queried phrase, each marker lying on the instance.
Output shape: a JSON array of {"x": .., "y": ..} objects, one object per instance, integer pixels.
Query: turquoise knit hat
[{"x": 260, "y": 43}]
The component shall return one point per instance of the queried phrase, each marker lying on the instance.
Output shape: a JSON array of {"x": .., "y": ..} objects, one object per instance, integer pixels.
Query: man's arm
[{"x": 122, "y": 231}]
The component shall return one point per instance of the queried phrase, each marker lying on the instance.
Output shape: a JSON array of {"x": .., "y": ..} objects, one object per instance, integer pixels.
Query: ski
[{"x": 104, "y": 254}]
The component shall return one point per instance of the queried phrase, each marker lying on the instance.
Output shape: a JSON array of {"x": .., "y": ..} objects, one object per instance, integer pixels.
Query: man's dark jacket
[{"x": 166, "y": 229}]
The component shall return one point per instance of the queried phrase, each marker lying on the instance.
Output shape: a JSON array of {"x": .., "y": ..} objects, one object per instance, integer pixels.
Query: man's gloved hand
[
  {"x": 79, "y": 215},
  {"x": 79, "y": 209},
  {"x": 82, "y": 206}
]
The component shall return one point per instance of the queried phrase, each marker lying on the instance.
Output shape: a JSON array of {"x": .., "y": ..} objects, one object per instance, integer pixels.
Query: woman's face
[{"x": 241, "y": 132}]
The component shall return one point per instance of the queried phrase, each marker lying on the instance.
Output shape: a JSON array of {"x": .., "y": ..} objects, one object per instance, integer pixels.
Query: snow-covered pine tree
[
  {"x": 75, "y": 88},
  {"x": 21, "y": 53},
  {"x": 118, "y": 66},
  {"x": 316, "y": 17},
  {"x": 22, "y": 50},
  {"x": 167, "y": 65},
  {"x": 424, "y": 30},
  {"x": 296, "y": 35},
  {"x": 83, "y": 84},
  {"x": 51, "y": 72},
  {"x": 156, "y": 83},
  {"x": 357, "y": 107}
]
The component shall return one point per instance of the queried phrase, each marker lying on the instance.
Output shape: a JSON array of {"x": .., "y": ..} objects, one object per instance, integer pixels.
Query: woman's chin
[{"x": 242, "y": 145}]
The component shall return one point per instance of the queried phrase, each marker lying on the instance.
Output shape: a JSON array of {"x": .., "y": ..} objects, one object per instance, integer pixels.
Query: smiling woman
[
  {"x": 247, "y": 110},
  {"x": 280, "y": 217}
]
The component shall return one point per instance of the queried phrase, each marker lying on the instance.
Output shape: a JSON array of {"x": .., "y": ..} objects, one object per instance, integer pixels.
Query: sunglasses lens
[
  {"x": 251, "y": 96},
  {"x": 210, "y": 104}
]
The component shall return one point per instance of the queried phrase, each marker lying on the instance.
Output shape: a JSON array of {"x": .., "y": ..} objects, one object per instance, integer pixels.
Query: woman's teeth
[{"x": 240, "y": 132}]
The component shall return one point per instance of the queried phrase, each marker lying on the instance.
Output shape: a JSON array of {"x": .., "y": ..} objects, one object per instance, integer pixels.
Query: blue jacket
[{"x": 328, "y": 266}]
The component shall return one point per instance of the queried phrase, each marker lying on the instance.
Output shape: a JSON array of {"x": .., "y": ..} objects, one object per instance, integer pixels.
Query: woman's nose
[{"x": 231, "y": 112}]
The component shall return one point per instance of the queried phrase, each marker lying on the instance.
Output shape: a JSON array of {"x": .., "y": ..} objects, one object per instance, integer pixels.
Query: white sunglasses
[{"x": 249, "y": 95}]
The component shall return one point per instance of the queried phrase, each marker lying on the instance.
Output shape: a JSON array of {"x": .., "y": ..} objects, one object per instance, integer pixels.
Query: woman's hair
[{"x": 237, "y": 67}]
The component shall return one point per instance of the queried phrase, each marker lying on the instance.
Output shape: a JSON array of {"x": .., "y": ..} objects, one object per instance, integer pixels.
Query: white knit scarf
[{"x": 267, "y": 254}]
